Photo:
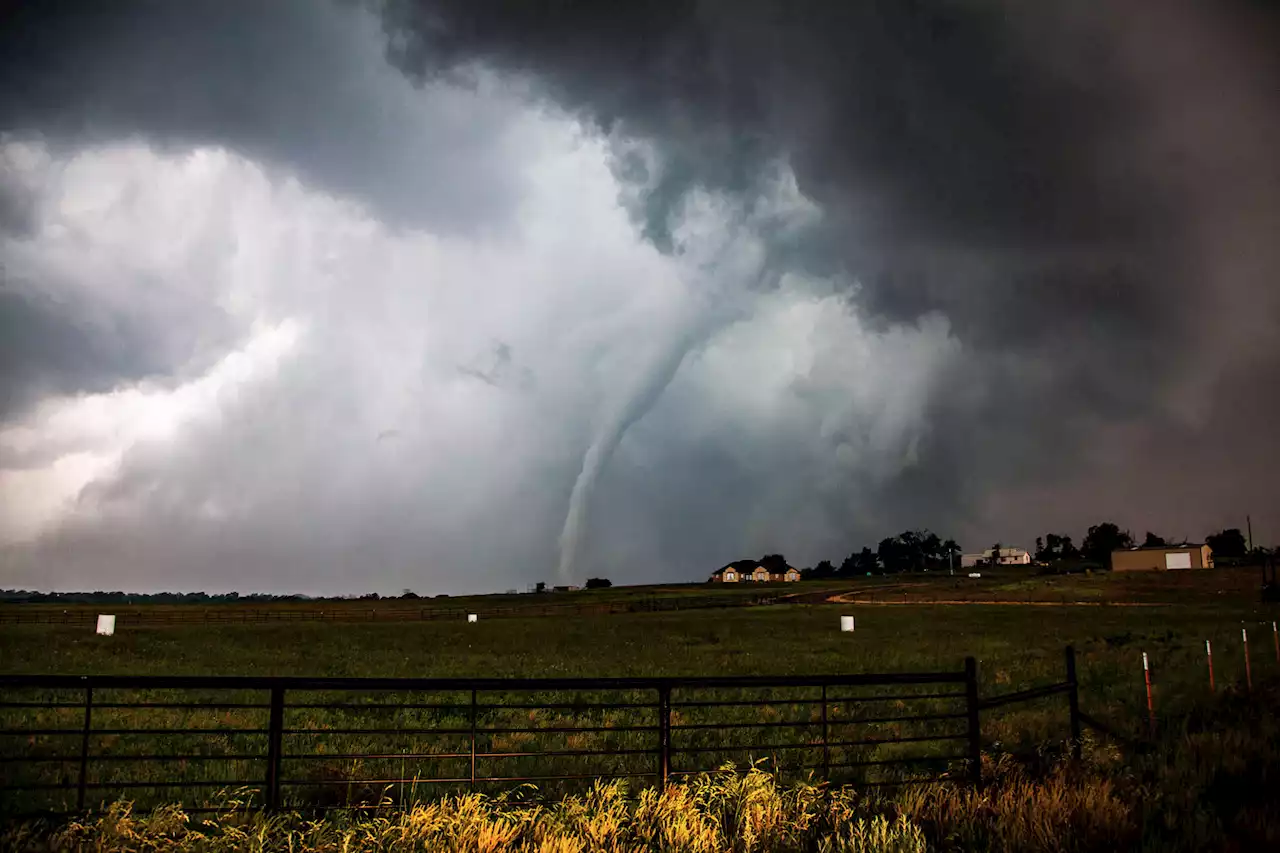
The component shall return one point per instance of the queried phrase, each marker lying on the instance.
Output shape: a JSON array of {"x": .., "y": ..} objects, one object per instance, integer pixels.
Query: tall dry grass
[{"x": 711, "y": 814}]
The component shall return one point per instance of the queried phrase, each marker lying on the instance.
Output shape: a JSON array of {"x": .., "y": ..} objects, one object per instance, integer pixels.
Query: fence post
[
  {"x": 664, "y": 734},
  {"x": 473, "y": 739},
  {"x": 82, "y": 785},
  {"x": 826, "y": 748},
  {"x": 1073, "y": 704},
  {"x": 1151, "y": 706},
  {"x": 1208, "y": 656},
  {"x": 975, "y": 730},
  {"x": 275, "y": 742},
  {"x": 1248, "y": 671}
]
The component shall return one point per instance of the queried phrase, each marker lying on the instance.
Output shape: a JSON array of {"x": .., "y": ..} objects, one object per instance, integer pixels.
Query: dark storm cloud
[
  {"x": 1018, "y": 168},
  {"x": 57, "y": 340},
  {"x": 17, "y": 210},
  {"x": 931, "y": 125},
  {"x": 295, "y": 84},
  {"x": 1040, "y": 285},
  {"x": 290, "y": 82},
  {"x": 45, "y": 353}
]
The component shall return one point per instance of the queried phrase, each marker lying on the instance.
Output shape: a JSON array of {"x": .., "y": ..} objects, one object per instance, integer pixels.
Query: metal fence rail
[
  {"x": 69, "y": 744},
  {"x": 152, "y": 615}
]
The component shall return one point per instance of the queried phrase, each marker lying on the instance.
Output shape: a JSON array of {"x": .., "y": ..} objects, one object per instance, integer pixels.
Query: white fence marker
[
  {"x": 846, "y": 623},
  {"x": 471, "y": 617},
  {"x": 106, "y": 625}
]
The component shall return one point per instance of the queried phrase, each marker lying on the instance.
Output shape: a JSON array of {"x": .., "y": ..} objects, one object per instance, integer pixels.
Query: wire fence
[
  {"x": 150, "y": 616},
  {"x": 72, "y": 744},
  {"x": 1235, "y": 659}
]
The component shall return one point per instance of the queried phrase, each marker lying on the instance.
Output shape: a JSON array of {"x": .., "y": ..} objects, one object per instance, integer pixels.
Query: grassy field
[
  {"x": 485, "y": 601},
  {"x": 1007, "y": 584},
  {"x": 1018, "y": 645},
  {"x": 1018, "y": 584},
  {"x": 581, "y": 602}
]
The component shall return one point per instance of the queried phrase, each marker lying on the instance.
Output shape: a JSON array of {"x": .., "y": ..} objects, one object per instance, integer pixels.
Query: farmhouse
[
  {"x": 752, "y": 570},
  {"x": 1008, "y": 557},
  {"x": 1188, "y": 556}
]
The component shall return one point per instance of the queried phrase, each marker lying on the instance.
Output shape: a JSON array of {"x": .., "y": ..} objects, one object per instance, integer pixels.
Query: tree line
[
  {"x": 1102, "y": 539},
  {"x": 26, "y": 596},
  {"x": 923, "y": 550},
  {"x": 118, "y": 597},
  {"x": 909, "y": 551}
]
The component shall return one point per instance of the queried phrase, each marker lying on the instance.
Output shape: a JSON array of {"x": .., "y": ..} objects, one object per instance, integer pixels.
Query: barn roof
[{"x": 1178, "y": 547}]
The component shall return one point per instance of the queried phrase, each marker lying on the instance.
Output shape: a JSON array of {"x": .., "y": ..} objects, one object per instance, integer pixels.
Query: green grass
[{"x": 1017, "y": 647}]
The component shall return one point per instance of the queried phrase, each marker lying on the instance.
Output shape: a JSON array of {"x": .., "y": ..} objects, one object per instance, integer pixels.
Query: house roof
[
  {"x": 750, "y": 567},
  {"x": 1181, "y": 547}
]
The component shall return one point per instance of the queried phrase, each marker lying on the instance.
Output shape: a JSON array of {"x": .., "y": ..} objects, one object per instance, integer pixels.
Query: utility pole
[{"x": 1248, "y": 522}]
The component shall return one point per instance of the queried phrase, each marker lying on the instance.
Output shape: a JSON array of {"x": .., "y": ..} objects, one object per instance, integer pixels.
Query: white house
[{"x": 1008, "y": 557}]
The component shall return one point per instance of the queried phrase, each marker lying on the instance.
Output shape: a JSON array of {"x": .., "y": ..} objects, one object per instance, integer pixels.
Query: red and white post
[
  {"x": 1208, "y": 653},
  {"x": 1275, "y": 635},
  {"x": 1151, "y": 708}
]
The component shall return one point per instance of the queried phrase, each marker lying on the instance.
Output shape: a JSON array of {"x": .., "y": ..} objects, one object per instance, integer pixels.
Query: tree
[
  {"x": 910, "y": 550},
  {"x": 1041, "y": 556},
  {"x": 995, "y": 554},
  {"x": 1102, "y": 539},
  {"x": 931, "y": 550},
  {"x": 1227, "y": 543},
  {"x": 1055, "y": 548},
  {"x": 859, "y": 563},
  {"x": 599, "y": 583},
  {"x": 1153, "y": 541},
  {"x": 775, "y": 563},
  {"x": 894, "y": 557},
  {"x": 865, "y": 562},
  {"x": 540, "y": 586},
  {"x": 824, "y": 569}
]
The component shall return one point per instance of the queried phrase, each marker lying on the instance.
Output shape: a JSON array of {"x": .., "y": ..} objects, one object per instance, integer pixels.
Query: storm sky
[{"x": 334, "y": 296}]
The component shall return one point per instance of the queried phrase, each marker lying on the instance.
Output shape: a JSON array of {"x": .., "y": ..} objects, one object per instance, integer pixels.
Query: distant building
[
  {"x": 1008, "y": 557},
  {"x": 752, "y": 571},
  {"x": 1188, "y": 556},
  {"x": 564, "y": 589}
]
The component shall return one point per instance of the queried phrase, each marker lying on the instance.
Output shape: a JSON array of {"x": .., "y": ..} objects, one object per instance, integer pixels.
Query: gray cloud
[
  {"x": 283, "y": 320},
  {"x": 1049, "y": 177},
  {"x": 46, "y": 352},
  {"x": 295, "y": 83}
]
